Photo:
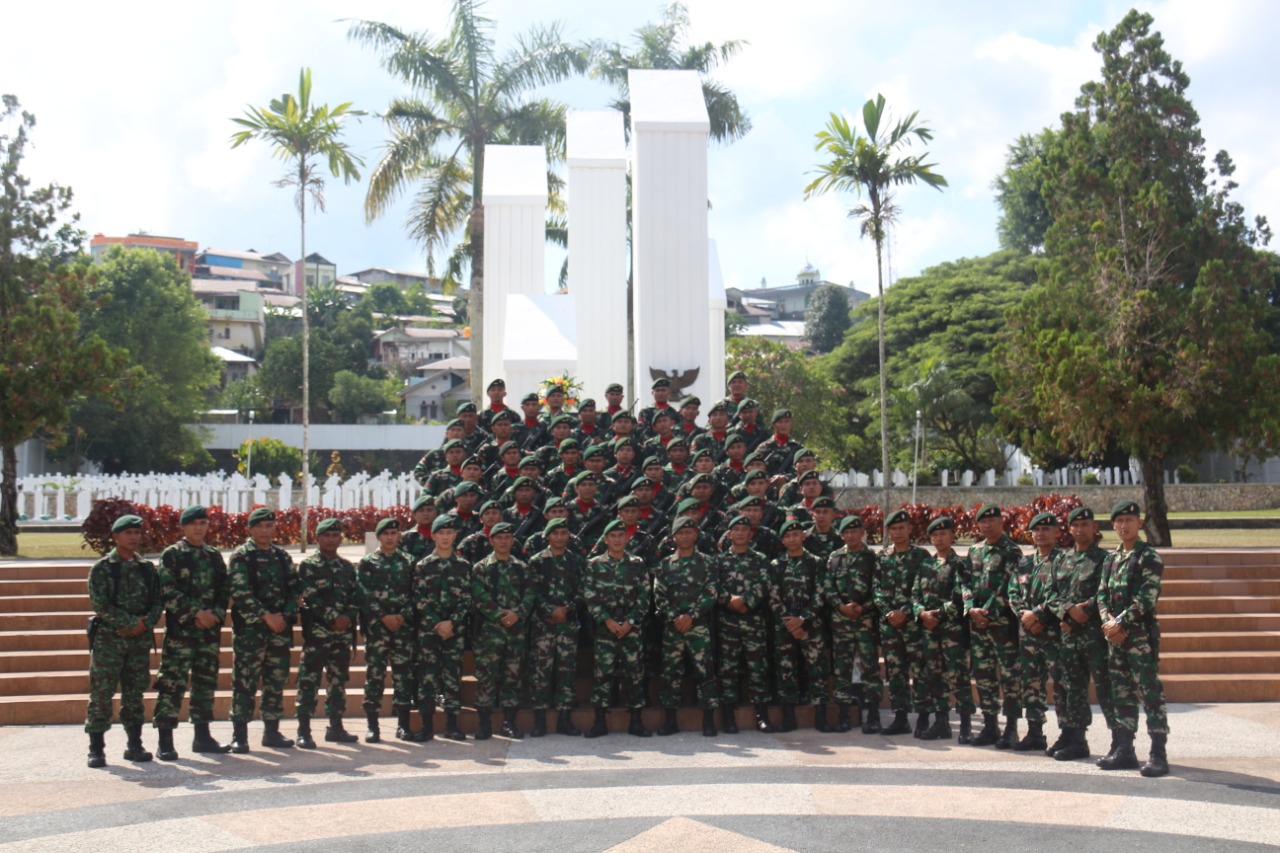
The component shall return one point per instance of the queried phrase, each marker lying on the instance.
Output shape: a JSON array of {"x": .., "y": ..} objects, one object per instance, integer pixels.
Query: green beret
[
  {"x": 649, "y": 462},
  {"x": 384, "y": 525},
  {"x": 531, "y": 397},
  {"x": 1080, "y": 513},
  {"x": 732, "y": 439},
  {"x": 616, "y": 524},
  {"x": 678, "y": 441},
  {"x": 451, "y": 444},
  {"x": 623, "y": 415},
  {"x": 754, "y": 475},
  {"x": 465, "y": 487},
  {"x": 1044, "y": 519},
  {"x": 500, "y": 528},
  {"x": 624, "y": 441},
  {"x": 687, "y": 504},
  {"x": 750, "y": 501},
  {"x": 521, "y": 482},
  {"x": 690, "y": 401},
  {"x": 698, "y": 479},
  {"x": 706, "y": 451},
  {"x": 718, "y": 407},
  {"x": 472, "y": 462},
  {"x": 561, "y": 419},
  {"x": 748, "y": 403},
  {"x": 555, "y": 389},
  {"x": 613, "y": 386},
  {"x": 260, "y": 515},
  {"x": 804, "y": 453},
  {"x": 126, "y": 522},
  {"x": 811, "y": 474},
  {"x": 424, "y": 500},
  {"x": 497, "y": 383},
  {"x": 779, "y": 415},
  {"x": 942, "y": 522},
  {"x": 530, "y": 460},
  {"x": 626, "y": 501},
  {"x": 756, "y": 455},
  {"x": 823, "y": 501},
  {"x": 641, "y": 482},
  {"x": 663, "y": 413},
  {"x": 454, "y": 423},
  {"x": 660, "y": 382},
  {"x": 507, "y": 445},
  {"x": 738, "y": 521},
  {"x": 587, "y": 404},
  {"x": 444, "y": 522},
  {"x": 505, "y": 415},
  {"x": 193, "y": 513},
  {"x": 336, "y": 524},
  {"x": 583, "y": 476},
  {"x": 681, "y": 523},
  {"x": 553, "y": 523},
  {"x": 488, "y": 505},
  {"x": 849, "y": 521},
  {"x": 987, "y": 511},
  {"x": 737, "y": 374},
  {"x": 467, "y": 408},
  {"x": 789, "y": 525},
  {"x": 553, "y": 502},
  {"x": 1125, "y": 508},
  {"x": 567, "y": 444},
  {"x": 899, "y": 517}
]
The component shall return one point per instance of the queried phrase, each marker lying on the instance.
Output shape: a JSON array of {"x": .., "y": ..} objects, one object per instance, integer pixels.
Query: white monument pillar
[
  {"x": 718, "y": 306},
  {"x": 669, "y": 129},
  {"x": 597, "y": 158},
  {"x": 515, "y": 205}
]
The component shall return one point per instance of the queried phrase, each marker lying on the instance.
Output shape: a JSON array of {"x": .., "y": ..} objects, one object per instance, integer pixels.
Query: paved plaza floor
[{"x": 747, "y": 792}]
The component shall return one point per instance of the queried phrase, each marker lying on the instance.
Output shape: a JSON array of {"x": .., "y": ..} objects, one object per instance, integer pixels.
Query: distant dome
[{"x": 808, "y": 272}]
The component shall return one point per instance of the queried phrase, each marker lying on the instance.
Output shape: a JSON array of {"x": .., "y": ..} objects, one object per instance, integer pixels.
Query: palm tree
[
  {"x": 304, "y": 135},
  {"x": 871, "y": 165},
  {"x": 464, "y": 96}
]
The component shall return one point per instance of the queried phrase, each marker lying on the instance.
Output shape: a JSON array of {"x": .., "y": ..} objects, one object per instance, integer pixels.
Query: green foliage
[
  {"x": 281, "y": 374},
  {"x": 1024, "y": 216},
  {"x": 827, "y": 317},
  {"x": 245, "y": 396},
  {"x": 148, "y": 309},
  {"x": 270, "y": 457},
  {"x": 1187, "y": 474},
  {"x": 353, "y": 396},
  {"x": 734, "y": 323},
  {"x": 385, "y": 298}
]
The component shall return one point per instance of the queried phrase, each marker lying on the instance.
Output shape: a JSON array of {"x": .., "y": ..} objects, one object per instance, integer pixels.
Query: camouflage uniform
[
  {"x": 796, "y": 590},
  {"x": 1031, "y": 588},
  {"x": 855, "y": 642},
  {"x": 498, "y": 585},
  {"x": 823, "y": 545},
  {"x": 618, "y": 590},
  {"x": 122, "y": 661},
  {"x": 1083, "y": 651},
  {"x": 744, "y": 637},
  {"x": 329, "y": 589},
  {"x": 440, "y": 481},
  {"x": 262, "y": 581},
  {"x": 386, "y": 589},
  {"x": 945, "y": 649},
  {"x": 417, "y": 544},
  {"x": 685, "y": 586},
  {"x": 554, "y": 660},
  {"x": 995, "y": 649},
  {"x": 441, "y": 593},
  {"x": 475, "y": 547},
  {"x": 191, "y": 579},
  {"x": 1128, "y": 592},
  {"x": 903, "y": 664}
]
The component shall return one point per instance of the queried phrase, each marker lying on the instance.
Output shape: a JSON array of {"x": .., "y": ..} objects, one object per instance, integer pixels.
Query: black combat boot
[
  {"x": 374, "y": 732},
  {"x": 1158, "y": 762},
  {"x": 844, "y": 722},
  {"x": 820, "y": 719},
  {"x": 636, "y": 727},
  {"x": 709, "y": 723},
  {"x": 564, "y": 724},
  {"x": 1034, "y": 741},
  {"x": 871, "y": 716},
  {"x": 203, "y": 742},
  {"x": 941, "y": 728},
  {"x": 305, "y": 740},
  {"x": 900, "y": 725},
  {"x": 134, "y": 750},
  {"x": 451, "y": 730},
  {"x": 271, "y": 735},
  {"x": 990, "y": 732},
  {"x": 484, "y": 729},
  {"x": 762, "y": 719},
  {"x": 97, "y": 750},
  {"x": 922, "y": 725},
  {"x": 1124, "y": 758},
  {"x": 336, "y": 733},
  {"x": 600, "y": 727},
  {"x": 966, "y": 728},
  {"x": 1010, "y": 734},
  {"x": 729, "y": 719},
  {"x": 428, "y": 730},
  {"x": 509, "y": 724},
  {"x": 404, "y": 724},
  {"x": 789, "y": 723},
  {"x": 1064, "y": 738},
  {"x": 539, "y": 724},
  {"x": 1111, "y": 750},
  {"x": 165, "y": 751},
  {"x": 1076, "y": 747},
  {"x": 669, "y": 724},
  {"x": 240, "y": 737}
]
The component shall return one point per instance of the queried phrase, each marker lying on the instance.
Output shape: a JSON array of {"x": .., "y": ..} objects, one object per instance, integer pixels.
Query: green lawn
[
  {"x": 52, "y": 546},
  {"x": 1243, "y": 513}
]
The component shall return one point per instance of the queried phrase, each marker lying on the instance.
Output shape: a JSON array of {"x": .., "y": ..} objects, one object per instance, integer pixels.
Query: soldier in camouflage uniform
[
  {"x": 780, "y": 449},
  {"x": 448, "y": 475},
  {"x": 821, "y": 539},
  {"x": 442, "y": 596},
  {"x": 497, "y": 394},
  {"x": 993, "y": 629},
  {"x": 477, "y": 546},
  {"x": 124, "y": 591},
  {"x": 502, "y": 592},
  {"x": 557, "y": 575},
  {"x": 193, "y": 583},
  {"x": 616, "y": 591},
  {"x": 1127, "y": 596},
  {"x": 434, "y": 460},
  {"x": 1083, "y": 650},
  {"x": 329, "y": 606},
  {"x": 417, "y": 542},
  {"x": 795, "y": 595},
  {"x": 264, "y": 608},
  {"x": 742, "y": 595},
  {"x": 937, "y": 602},
  {"x": 390, "y": 633},
  {"x": 855, "y": 630},
  {"x": 898, "y": 564},
  {"x": 1031, "y": 599},
  {"x": 684, "y": 597}
]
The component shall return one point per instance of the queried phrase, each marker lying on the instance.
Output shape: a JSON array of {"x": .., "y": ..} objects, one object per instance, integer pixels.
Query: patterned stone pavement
[{"x": 747, "y": 792}]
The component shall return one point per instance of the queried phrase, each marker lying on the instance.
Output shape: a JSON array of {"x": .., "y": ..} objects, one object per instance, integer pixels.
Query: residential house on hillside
[
  {"x": 793, "y": 299},
  {"x": 406, "y": 349},
  {"x": 235, "y": 365},
  {"x": 400, "y": 278},
  {"x": 273, "y": 269},
  {"x": 318, "y": 271},
  {"x": 182, "y": 251},
  {"x": 237, "y": 321},
  {"x": 444, "y": 384}
]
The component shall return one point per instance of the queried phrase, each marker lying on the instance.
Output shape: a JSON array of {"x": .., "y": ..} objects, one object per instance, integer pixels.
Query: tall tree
[
  {"x": 826, "y": 317},
  {"x": 463, "y": 96},
  {"x": 45, "y": 357},
  {"x": 1147, "y": 324},
  {"x": 874, "y": 165},
  {"x": 1024, "y": 216},
  {"x": 307, "y": 137}
]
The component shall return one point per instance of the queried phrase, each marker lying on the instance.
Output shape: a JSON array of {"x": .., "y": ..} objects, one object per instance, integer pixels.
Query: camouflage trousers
[
  {"x": 1037, "y": 663},
  {"x": 744, "y": 650},
  {"x": 261, "y": 659},
  {"x": 945, "y": 653},
  {"x": 621, "y": 661},
  {"x": 498, "y": 661},
  {"x": 553, "y": 665},
  {"x": 123, "y": 662},
  {"x": 1082, "y": 653},
  {"x": 1135, "y": 678},
  {"x": 193, "y": 656},
  {"x": 855, "y": 657},
  {"x": 400, "y": 651},
  {"x": 440, "y": 672},
  {"x": 695, "y": 645},
  {"x": 328, "y": 657},
  {"x": 995, "y": 668},
  {"x": 801, "y": 665},
  {"x": 902, "y": 665}
]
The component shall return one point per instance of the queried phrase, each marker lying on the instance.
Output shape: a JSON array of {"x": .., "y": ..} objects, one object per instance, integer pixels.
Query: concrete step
[
  {"x": 1220, "y": 556},
  {"x": 1220, "y": 641},
  {"x": 1207, "y": 604},
  {"x": 1222, "y": 572},
  {"x": 46, "y": 586},
  {"x": 1236, "y": 687},
  {"x": 1179, "y": 622},
  {"x": 1179, "y": 588},
  {"x": 1191, "y": 663},
  {"x": 41, "y": 570},
  {"x": 46, "y": 603}
]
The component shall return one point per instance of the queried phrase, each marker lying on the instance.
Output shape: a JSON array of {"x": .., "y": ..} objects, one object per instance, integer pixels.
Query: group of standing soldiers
[{"x": 663, "y": 546}]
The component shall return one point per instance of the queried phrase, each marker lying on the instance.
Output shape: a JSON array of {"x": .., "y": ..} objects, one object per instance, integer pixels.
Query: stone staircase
[{"x": 1219, "y": 617}]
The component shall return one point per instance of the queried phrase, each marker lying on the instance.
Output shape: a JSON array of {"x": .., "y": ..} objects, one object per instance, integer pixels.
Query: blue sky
[{"x": 134, "y": 101}]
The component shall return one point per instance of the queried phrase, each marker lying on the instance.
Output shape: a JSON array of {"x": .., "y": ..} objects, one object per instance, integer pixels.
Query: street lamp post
[{"x": 248, "y": 467}]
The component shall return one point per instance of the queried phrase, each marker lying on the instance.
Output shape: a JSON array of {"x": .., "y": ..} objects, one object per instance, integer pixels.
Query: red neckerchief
[
  {"x": 665, "y": 439},
  {"x": 631, "y": 530},
  {"x": 585, "y": 507},
  {"x": 736, "y": 398},
  {"x": 614, "y": 409},
  {"x": 524, "y": 510},
  {"x": 497, "y": 407},
  {"x": 569, "y": 471},
  {"x": 657, "y": 405},
  {"x": 735, "y": 466},
  {"x": 679, "y": 471},
  {"x": 485, "y": 531},
  {"x": 531, "y": 423},
  {"x": 780, "y": 438},
  {"x": 456, "y": 469},
  {"x": 746, "y": 427},
  {"x": 689, "y": 426},
  {"x": 425, "y": 532},
  {"x": 719, "y": 435},
  {"x": 511, "y": 472},
  {"x": 464, "y": 516},
  {"x": 588, "y": 429},
  {"x": 646, "y": 512}
]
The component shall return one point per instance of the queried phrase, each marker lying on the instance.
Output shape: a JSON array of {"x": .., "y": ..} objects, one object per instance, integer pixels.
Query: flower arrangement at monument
[{"x": 570, "y": 385}]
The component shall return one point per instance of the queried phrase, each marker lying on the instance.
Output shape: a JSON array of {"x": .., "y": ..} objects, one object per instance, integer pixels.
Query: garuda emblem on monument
[{"x": 680, "y": 380}]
